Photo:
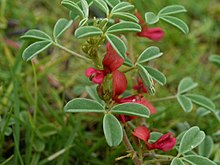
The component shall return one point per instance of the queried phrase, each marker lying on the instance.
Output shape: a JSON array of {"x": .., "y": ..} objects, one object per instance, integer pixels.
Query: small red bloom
[
  {"x": 119, "y": 83},
  {"x": 96, "y": 76},
  {"x": 154, "y": 34},
  {"x": 142, "y": 133},
  {"x": 165, "y": 143}
]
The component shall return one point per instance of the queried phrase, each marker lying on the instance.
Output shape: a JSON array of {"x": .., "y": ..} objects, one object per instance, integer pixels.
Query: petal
[
  {"x": 154, "y": 34},
  {"x": 119, "y": 83},
  {"x": 126, "y": 118},
  {"x": 96, "y": 76},
  {"x": 147, "y": 104},
  {"x": 141, "y": 20},
  {"x": 142, "y": 133},
  {"x": 90, "y": 71}
]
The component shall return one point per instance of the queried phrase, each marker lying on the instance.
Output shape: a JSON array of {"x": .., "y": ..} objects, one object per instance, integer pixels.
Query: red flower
[
  {"x": 165, "y": 143},
  {"x": 96, "y": 76},
  {"x": 119, "y": 83},
  {"x": 140, "y": 86}
]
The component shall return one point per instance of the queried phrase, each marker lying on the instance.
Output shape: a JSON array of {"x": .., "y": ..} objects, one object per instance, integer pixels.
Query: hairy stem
[{"x": 164, "y": 98}]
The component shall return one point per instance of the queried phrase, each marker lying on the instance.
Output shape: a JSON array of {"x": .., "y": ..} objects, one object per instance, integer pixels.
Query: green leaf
[
  {"x": 125, "y": 26},
  {"x": 178, "y": 23},
  {"x": 151, "y": 18},
  {"x": 215, "y": 59},
  {"x": 73, "y": 7},
  {"x": 36, "y": 34},
  {"x": 206, "y": 147},
  {"x": 92, "y": 91},
  {"x": 132, "y": 109},
  {"x": 38, "y": 144},
  {"x": 34, "y": 49},
  {"x": 185, "y": 103},
  {"x": 202, "y": 101},
  {"x": 198, "y": 160},
  {"x": 128, "y": 62},
  {"x": 156, "y": 75},
  {"x": 172, "y": 9},
  {"x": 87, "y": 31},
  {"x": 83, "y": 22},
  {"x": 101, "y": 4},
  {"x": 149, "y": 54},
  {"x": 125, "y": 16},
  {"x": 122, "y": 7},
  {"x": 73, "y": 16},
  {"x": 177, "y": 161},
  {"x": 61, "y": 25},
  {"x": 85, "y": 7},
  {"x": 112, "y": 3},
  {"x": 147, "y": 79},
  {"x": 83, "y": 105},
  {"x": 186, "y": 84},
  {"x": 112, "y": 130},
  {"x": 117, "y": 44},
  {"x": 154, "y": 136},
  {"x": 191, "y": 139},
  {"x": 47, "y": 130}
]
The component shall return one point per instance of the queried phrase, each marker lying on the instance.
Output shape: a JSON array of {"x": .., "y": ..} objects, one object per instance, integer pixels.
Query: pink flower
[
  {"x": 119, "y": 83},
  {"x": 96, "y": 76},
  {"x": 165, "y": 143}
]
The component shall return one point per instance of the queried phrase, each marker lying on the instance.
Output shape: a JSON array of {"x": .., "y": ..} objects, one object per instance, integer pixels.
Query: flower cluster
[{"x": 165, "y": 143}]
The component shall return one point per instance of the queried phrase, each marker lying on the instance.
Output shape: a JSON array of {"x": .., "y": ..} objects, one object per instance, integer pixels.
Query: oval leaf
[
  {"x": 112, "y": 130},
  {"x": 87, "y": 31},
  {"x": 73, "y": 7},
  {"x": 92, "y": 91},
  {"x": 147, "y": 79},
  {"x": 177, "y": 161},
  {"x": 172, "y": 9},
  {"x": 191, "y": 139},
  {"x": 112, "y": 3},
  {"x": 132, "y": 109},
  {"x": 122, "y": 7},
  {"x": 125, "y": 16},
  {"x": 198, "y": 160},
  {"x": 117, "y": 44},
  {"x": 125, "y": 26},
  {"x": 186, "y": 84},
  {"x": 151, "y": 18},
  {"x": 149, "y": 54},
  {"x": 61, "y": 25},
  {"x": 185, "y": 103},
  {"x": 178, "y": 23},
  {"x": 34, "y": 49},
  {"x": 83, "y": 105},
  {"x": 202, "y": 101},
  {"x": 157, "y": 75},
  {"x": 215, "y": 59},
  {"x": 205, "y": 148},
  {"x": 85, "y": 8},
  {"x": 36, "y": 34},
  {"x": 101, "y": 4}
]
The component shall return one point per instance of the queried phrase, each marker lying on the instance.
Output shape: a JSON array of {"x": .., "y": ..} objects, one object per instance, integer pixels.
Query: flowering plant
[{"x": 111, "y": 73}]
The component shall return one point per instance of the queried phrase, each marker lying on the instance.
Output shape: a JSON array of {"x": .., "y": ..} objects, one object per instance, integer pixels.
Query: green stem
[
  {"x": 129, "y": 69},
  {"x": 156, "y": 161},
  {"x": 164, "y": 98},
  {"x": 158, "y": 155},
  {"x": 71, "y": 52}
]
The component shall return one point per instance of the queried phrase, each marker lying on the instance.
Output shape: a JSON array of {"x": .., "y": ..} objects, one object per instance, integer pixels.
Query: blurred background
[{"x": 44, "y": 86}]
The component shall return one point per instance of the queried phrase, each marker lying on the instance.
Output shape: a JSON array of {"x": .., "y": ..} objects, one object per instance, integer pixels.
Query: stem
[
  {"x": 156, "y": 161},
  {"x": 158, "y": 155},
  {"x": 130, "y": 148},
  {"x": 71, "y": 52},
  {"x": 129, "y": 69},
  {"x": 164, "y": 98}
]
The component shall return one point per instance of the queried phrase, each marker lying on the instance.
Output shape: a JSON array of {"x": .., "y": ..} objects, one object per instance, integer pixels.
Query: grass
[{"x": 32, "y": 96}]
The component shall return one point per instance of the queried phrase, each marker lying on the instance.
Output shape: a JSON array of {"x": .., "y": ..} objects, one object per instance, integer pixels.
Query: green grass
[{"x": 32, "y": 106}]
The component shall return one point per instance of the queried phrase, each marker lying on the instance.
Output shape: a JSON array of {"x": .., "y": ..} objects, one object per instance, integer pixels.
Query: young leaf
[
  {"x": 205, "y": 148},
  {"x": 117, "y": 44},
  {"x": 73, "y": 7},
  {"x": 112, "y": 130},
  {"x": 61, "y": 25},
  {"x": 147, "y": 79},
  {"x": 191, "y": 139},
  {"x": 122, "y": 7},
  {"x": 34, "y": 49},
  {"x": 157, "y": 75},
  {"x": 186, "y": 84},
  {"x": 172, "y": 9},
  {"x": 178, "y": 23},
  {"x": 202, "y": 101},
  {"x": 83, "y": 105},
  {"x": 185, "y": 103},
  {"x": 151, "y": 18},
  {"x": 215, "y": 59},
  {"x": 132, "y": 109},
  {"x": 36, "y": 34},
  {"x": 101, "y": 4},
  {"x": 87, "y": 31},
  {"x": 198, "y": 160},
  {"x": 125, "y": 16},
  {"x": 85, "y": 7},
  {"x": 177, "y": 161},
  {"x": 149, "y": 54},
  {"x": 112, "y": 3},
  {"x": 125, "y": 26}
]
